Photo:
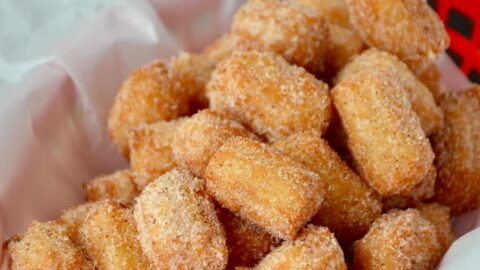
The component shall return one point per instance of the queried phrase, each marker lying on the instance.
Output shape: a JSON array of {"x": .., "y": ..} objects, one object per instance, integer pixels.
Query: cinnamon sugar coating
[{"x": 269, "y": 96}]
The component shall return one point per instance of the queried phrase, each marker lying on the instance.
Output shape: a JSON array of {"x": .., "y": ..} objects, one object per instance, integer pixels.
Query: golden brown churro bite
[
  {"x": 247, "y": 243},
  {"x": 150, "y": 150},
  {"x": 457, "y": 146},
  {"x": 151, "y": 93},
  {"x": 344, "y": 45},
  {"x": 119, "y": 186},
  {"x": 349, "y": 206},
  {"x": 398, "y": 240},
  {"x": 430, "y": 76},
  {"x": 315, "y": 248},
  {"x": 46, "y": 246},
  {"x": 295, "y": 33},
  {"x": 385, "y": 137},
  {"x": 439, "y": 216},
  {"x": 221, "y": 48},
  {"x": 177, "y": 224},
  {"x": 423, "y": 103},
  {"x": 334, "y": 11},
  {"x": 73, "y": 219},
  {"x": 344, "y": 42},
  {"x": 264, "y": 186},
  {"x": 409, "y": 29},
  {"x": 225, "y": 45},
  {"x": 109, "y": 236},
  {"x": 269, "y": 96},
  {"x": 198, "y": 137},
  {"x": 423, "y": 191},
  {"x": 193, "y": 71}
]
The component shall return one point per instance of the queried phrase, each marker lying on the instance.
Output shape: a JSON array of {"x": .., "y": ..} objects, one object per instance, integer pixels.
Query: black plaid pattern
[
  {"x": 460, "y": 23},
  {"x": 474, "y": 76},
  {"x": 455, "y": 57}
]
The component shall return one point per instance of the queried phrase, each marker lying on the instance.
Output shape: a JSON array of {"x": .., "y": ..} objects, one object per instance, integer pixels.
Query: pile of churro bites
[{"x": 314, "y": 134}]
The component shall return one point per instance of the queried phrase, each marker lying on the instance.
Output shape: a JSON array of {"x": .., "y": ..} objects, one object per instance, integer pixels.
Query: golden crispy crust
[
  {"x": 225, "y": 45},
  {"x": 193, "y": 71},
  {"x": 119, "y": 186},
  {"x": 151, "y": 93},
  {"x": 47, "y": 246},
  {"x": 457, "y": 146},
  {"x": 73, "y": 218},
  {"x": 247, "y": 243},
  {"x": 198, "y": 137},
  {"x": 423, "y": 103},
  {"x": 109, "y": 236},
  {"x": 315, "y": 248},
  {"x": 409, "y": 29},
  {"x": 349, "y": 206},
  {"x": 177, "y": 224},
  {"x": 221, "y": 48},
  {"x": 439, "y": 216},
  {"x": 334, "y": 11},
  {"x": 402, "y": 240},
  {"x": 344, "y": 43},
  {"x": 385, "y": 137},
  {"x": 264, "y": 186},
  {"x": 150, "y": 150},
  {"x": 297, "y": 34},
  {"x": 423, "y": 191},
  {"x": 269, "y": 96},
  {"x": 430, "y": 76}
]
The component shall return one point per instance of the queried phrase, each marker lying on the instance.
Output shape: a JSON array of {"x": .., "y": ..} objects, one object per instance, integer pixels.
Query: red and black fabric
[{"x": 462, "y": 20}]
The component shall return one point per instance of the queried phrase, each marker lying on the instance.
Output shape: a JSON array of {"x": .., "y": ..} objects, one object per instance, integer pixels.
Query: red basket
[{"x": 462, "y": 20}]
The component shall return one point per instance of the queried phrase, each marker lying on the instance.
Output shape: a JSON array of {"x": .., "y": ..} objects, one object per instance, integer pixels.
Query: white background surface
[{"x": 61, "y": 63}]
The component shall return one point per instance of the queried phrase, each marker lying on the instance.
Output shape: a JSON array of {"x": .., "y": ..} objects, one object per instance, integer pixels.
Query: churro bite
[
  {"x": 385, "y": 137},
  {"x": 73, "y": 219},
  {"x": 46, "y": 246},
  {"x": 225, "y": 45},
  {"x": 151, "y": 150},
  {"x": 221, "y": 48},
  {"x": 423, "y": 191},
  {"x": 151, "y": 93},
  {"x": 109, "y": 236},
  {"x": 439, "y": 216},
  {"x": 398, "y": 240},
  {"x": 264, "y": 186},
  {"x": 430, "y": 76},
  {"x": 344, "y": 45},
  {"x": 247, "y": 243},
  {"x": 423, "y": 102},
  {"x": 344, "y": 42},
  {"x": 290, "y": 30},
  {"x": 314, "y": 248},
  {"x": 177, "y": 224},
  {"x": 193, "y": 71},
  {"x": 199, "y": 136},
  {"x": 334, "y": 11},
  {"x": 457, "y": 146},
  {"x": 349, "y": 206},
  {"x": 268, "y": 95},
  {"x": 119, "y": 186},
  {"x": 409, "y": 29}
]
